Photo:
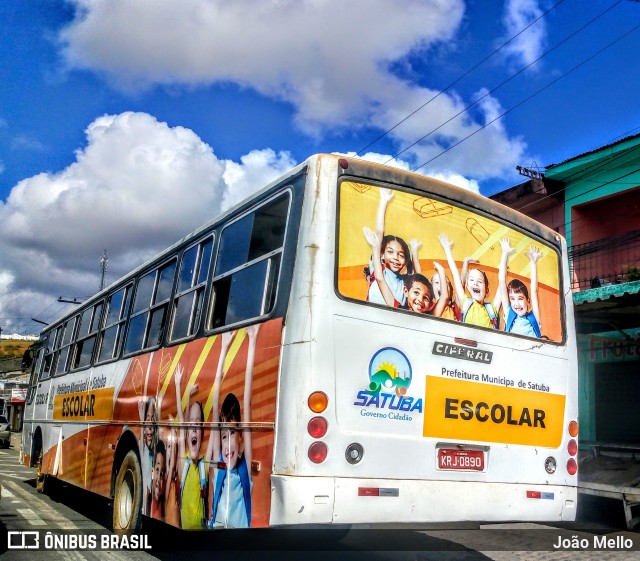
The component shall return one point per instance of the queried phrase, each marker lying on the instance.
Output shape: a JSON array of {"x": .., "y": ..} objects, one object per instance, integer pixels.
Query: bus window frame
[
  {"x": 554, "y": 245},
  {"x": 151, "y": 308},
  {"x": 204, "y": 287},
  {"x": 287, "y": 190}
]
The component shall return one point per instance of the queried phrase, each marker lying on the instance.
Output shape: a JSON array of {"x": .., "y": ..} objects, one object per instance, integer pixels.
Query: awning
[{"x": 614, "y": 307}]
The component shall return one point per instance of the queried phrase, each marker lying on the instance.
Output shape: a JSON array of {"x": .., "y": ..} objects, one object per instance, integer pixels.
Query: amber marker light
[
  {"x": 573, "y": 428},
  {"x": 318, "y": 402}
]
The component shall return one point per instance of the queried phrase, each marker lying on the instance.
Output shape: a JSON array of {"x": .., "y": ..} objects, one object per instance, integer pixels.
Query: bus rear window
[{"x": 423, "y": 255}]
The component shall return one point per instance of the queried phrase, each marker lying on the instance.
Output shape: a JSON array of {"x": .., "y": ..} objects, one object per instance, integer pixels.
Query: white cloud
[
  {"x": 307, "y": 52},
  {"x": 453, "y": 178},
  {"x": 517, "y": 15},
  {"x": 256, "y": 169},
  {"x": 330, "y": 60},
  {"x": 135, "y": 171},
  {"x": 137, "y": 187},
  {"x": 460, "y": 181}
]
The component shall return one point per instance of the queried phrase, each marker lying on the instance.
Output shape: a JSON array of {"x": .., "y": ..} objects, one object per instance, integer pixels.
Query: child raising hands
[
  {"x": 472, "y": 296},
  {"x": 391, "y": 256},
  {"x": 232, "y": 445},
  {"x": 521, "y": 313}
]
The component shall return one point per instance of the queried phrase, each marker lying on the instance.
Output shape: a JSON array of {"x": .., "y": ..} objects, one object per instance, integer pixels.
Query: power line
[
  {"x": 458, "y": 79},
  {"x": 548, "y": 85},
  {"x": 573, "y": 222},
  {"x": 598, "y": 167},
  {"x": 507, "y": 80}
]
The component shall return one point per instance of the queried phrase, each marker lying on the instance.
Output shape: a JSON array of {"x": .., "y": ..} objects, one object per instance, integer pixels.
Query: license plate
[{"x": 468, "y": 460}]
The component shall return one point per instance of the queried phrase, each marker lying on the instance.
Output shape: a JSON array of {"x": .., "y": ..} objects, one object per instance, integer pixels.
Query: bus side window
[
  {"x": 150, "y": 308},
  {"x": 87, "y": 334},
  {"x": 51, "y": 356},
  {"x": 111, "y": 334},
  {"x": 36, "y": 370},
  {"x": 64, "y": 354},
  {"x": 192, "y": 278},
  {"x": 248, "y": 265}
]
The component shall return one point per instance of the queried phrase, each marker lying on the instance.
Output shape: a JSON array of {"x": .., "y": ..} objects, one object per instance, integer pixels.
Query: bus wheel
[
  {"x": 127, "y": 500},
  {"x": 41, "y": 477}
]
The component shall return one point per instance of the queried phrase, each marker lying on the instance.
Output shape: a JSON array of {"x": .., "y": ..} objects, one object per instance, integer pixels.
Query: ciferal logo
[{"x": 390, "y": 375}]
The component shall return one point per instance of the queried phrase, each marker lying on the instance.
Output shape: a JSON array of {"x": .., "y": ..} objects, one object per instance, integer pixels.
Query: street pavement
[{"x": 73, "y": 510}]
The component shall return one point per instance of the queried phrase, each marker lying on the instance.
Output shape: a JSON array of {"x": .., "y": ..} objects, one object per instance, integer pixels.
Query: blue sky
[{"x": 125, "y": 124}]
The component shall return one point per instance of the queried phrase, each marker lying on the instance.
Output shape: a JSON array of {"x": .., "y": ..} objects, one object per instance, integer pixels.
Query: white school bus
[{"x": 311, "y": 357}]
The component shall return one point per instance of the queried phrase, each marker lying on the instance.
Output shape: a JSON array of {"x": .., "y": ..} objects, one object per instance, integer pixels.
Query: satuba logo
[{"x": 390, "y": 376}]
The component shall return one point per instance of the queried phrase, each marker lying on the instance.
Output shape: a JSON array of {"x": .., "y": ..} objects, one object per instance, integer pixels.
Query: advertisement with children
[
  {"x": 430, "y": 257},
  {"x": 206, "y": 411}
]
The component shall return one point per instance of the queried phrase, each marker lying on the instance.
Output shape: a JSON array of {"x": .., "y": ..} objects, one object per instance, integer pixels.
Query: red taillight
[
  {"x": 572, "y": 447},
  {"x": 317, "y": 452},
  {"x": 318, "y": 402},
  {"x": 573, "y": 428},
  {"x": 572, "y": 467},
  {"x": 317, "y": 427}
]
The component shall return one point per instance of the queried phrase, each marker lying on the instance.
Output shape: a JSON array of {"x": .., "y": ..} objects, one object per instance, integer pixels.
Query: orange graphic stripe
[
  {"x": 197, "y": 368},
  {"x": 172, "y": 369},
  {"x": 231, "y": 355}
]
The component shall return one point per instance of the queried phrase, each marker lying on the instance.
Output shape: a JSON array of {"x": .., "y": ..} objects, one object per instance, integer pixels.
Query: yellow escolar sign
[
  {"x": 95, "y": 405},
  {"x": 465, "y": 410}
]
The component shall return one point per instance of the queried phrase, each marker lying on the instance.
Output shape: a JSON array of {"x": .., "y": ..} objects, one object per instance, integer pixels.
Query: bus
[{"x": 355, "y": 343}]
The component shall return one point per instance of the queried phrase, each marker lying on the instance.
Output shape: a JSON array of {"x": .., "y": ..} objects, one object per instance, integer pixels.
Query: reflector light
[
  {"x": 550, "y": 465},
  {"x": 540, "y": 495},
  {"x": 317, "y": 452},
  {"x": 572, "y": 466},
  {"x": 378, "y": 492},
  {"x": 317, "y": 427},
  {"x": 572, "y": 447},
  {"x": 354, "y": 453},
  {"x": 573, "y": 428},
  {"x": 468, "y": 342},
  {"x": 318, "y": 402}
]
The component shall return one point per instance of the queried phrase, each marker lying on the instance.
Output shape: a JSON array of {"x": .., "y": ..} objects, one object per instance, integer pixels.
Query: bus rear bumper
[{"x": 323, "y": 500}]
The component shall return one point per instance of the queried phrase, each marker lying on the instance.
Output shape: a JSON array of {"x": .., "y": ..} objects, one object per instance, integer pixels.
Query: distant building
[
  {"x": 16, "y": 337},
  {"x": 13, "y": 394}
]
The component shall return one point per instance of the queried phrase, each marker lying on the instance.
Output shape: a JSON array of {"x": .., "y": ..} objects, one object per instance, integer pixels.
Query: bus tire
[
  {"x": 41, "y": 477},
  {"x": 127, "y": 498}
]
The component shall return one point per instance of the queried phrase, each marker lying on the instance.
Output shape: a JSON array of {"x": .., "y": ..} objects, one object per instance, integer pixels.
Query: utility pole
[{"x": 104, "y": 261}]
